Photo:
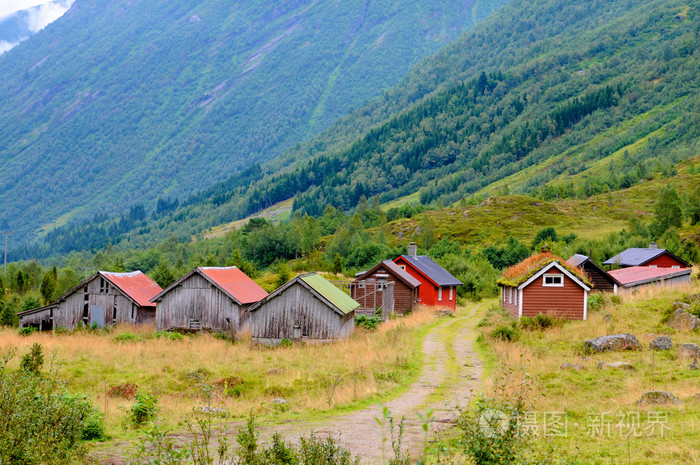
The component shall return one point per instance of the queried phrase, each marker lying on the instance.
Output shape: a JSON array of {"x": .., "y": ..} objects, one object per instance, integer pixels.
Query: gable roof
[
  {"x": 635, "y": 256},
  {"x": 431, "y": 270},
  {"x": 229, "y": 280},
  {"x": 637, "y": 275},
  {"x": 398, "y": 272},
  {"x": 324, "y": 290},
  {"x": 580, "y": 261},
  {"x": 528, "y": 270},
  {"x": 135, "y": 285}
]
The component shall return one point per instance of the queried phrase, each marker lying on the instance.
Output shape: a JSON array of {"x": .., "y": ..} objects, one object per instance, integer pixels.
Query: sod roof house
[
  {"x": 208, "y": 298},
  {"x": 105, "y": 298},
  {"x": 651, "y": 256},
  {"x": 546, "y": 284},
  {"x": 306, "y": 308},
  {"x": 385, "y": 285},
  {"x": 600, "y": 279},
  {"x": 438, "y": 287}
]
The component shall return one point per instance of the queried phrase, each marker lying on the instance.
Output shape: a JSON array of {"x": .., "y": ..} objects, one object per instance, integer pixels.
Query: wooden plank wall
[
  {"x": 561, "y": 302},
  {"x": 296, "y": 306},
  {"x": 197, "y": 299}
]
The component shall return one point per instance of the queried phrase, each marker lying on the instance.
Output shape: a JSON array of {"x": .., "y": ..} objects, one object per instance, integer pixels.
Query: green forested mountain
[
  {"x": 553, "y": 98},
  {"x": 121, "y": 102}
]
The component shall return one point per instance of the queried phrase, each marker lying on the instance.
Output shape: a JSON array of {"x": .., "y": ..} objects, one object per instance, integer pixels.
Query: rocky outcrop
[
  {"x": 684, "y": 320},
  {"x": 571, "y": 366},
  {"x": 688, "y": 350},
  {"x": 661, "y": 343},
  {"x": 616, "y": 365},
  {"x": 658, "y": 398},
  {"x": 624, "y": 341}
]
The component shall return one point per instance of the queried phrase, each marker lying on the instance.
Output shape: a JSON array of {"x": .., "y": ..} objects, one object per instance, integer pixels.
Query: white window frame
[
  {"x": 553, "y": 275},
  {"x": 440, "y": 294},
  {"x": 451, "y": 288}
]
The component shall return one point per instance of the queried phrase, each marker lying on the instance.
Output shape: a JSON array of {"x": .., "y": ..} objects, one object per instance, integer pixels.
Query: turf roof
[{"x": 518, "y": 274}]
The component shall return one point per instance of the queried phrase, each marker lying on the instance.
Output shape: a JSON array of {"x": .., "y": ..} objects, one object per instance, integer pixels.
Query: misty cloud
[
  {"x": 43, "y": 15},
  {"x": 29, "y": 17},
  {"x": 5, "y": 46}
]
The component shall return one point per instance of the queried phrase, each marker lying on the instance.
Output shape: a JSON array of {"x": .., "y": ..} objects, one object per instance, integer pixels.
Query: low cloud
[
  {"x": 41, "y": 16},
  {"x": 5, "y": 45},
  {"x": 10, "y": 7}
]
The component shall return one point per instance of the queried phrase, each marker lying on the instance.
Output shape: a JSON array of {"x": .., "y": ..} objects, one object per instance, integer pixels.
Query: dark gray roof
[
  {"x": 398, "y": 272},
  {"x": 432, "y": 270},
  {"x": 635, "y": 257},
  {"x": 577, "y": 259}
]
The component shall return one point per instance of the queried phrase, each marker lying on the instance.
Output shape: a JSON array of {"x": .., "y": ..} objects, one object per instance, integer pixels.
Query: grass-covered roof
[{"x": 518, "y": 274}]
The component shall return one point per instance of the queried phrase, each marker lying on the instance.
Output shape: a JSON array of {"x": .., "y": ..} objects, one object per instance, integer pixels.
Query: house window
[
  {"x": 114, "y": 312},
  {"x": 381, "y": 283},
  {"x": 440, "y": 294},
  {"x": 403, "y": 267},
  {"x": 361, "y": 285},
  {"x": 510, "y": 295},
  {"x": 675, "y": 266},
  {"x": 515, "y": 296},
  {"x": 553, "y": 280},
  {"x": 451, "y": 289},
  {"x": 652, "y": 266}
]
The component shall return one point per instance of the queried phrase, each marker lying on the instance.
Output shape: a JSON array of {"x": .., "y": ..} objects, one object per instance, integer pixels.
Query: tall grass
[{"x": 246, "y": 377}]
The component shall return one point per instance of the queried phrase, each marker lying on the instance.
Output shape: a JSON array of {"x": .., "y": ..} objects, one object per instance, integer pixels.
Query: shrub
[
  {"x": 368, "y": 322},
  {"x": 93, "y": 420},
  {"x": 596, "y": 301},
  {"x": 127, "y": 337},
  {"x": 123, "y": 391},
  {"x": 615, "y": 299},
  {"x": 539, "y": 322},
  {"x": 143, "y": 409},
  {"x": 285, "y": 343},
  {"x": 507, "y": 333},
  {"x": 34, "y": 360},
  {"x": 173, "y": 336},
  {"x": 222, "y": 336},
  {"x": 26, "y": 331}
]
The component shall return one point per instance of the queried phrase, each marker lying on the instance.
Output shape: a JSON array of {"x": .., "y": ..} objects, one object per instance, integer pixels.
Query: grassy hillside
[
  {"x": 119, "y": 103},
  {"x": 554, "y": 99}
]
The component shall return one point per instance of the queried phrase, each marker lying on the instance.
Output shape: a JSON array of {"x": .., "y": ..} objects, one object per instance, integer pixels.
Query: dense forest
[
  {"x": 120, "y": 102},
  {"x": 553, "y": 99}
]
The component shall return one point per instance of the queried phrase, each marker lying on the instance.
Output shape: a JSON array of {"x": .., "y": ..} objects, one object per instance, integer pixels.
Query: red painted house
[
  {"x": 545, "y": 284},
  {"x": 652, "y": 257},
  {"x": 438, "y": 287}
]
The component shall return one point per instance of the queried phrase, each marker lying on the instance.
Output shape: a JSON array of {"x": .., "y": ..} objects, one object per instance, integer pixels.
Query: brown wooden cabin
[
  {"x": 105, "y": 298},
  {"x": 601, "y": 279},
  {"x": 307, "y": 308},
  {"x": 545, "y": 284},
  {"x": 209, "y": 299},
  {"x": 368, "y": 289}
]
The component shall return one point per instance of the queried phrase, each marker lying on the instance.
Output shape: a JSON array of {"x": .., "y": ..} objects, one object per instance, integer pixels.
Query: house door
[{"x": 97, "y": 315}]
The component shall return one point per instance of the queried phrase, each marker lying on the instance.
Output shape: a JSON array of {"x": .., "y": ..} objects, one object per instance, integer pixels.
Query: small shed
[
  {"x": 651, "y": 256},
  {"x": 369, "y": 289},
  {"x": 545, "y": 284},
  {"x": 307, "y": 308},
  {"x": 207, "y": 298},
  {"x": 601, "y": 279},
  {"x": 438, "y": 287},
  {"x": 634, "y": 277},
  {"x": 105, "y": 298}
]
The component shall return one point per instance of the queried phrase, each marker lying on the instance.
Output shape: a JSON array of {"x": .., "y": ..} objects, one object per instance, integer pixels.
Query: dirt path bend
[{"x": 451, "y": 373}]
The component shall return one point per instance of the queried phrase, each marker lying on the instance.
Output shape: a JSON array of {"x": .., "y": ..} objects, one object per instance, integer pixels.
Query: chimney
[
  {"x": 653, "y": 246},
  {"x": 412, "y": 249}
]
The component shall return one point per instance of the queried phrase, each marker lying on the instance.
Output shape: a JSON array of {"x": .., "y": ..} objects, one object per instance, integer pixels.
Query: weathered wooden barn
[
  {"x": 651, "y": 257},
  {"x": 207, "y": 298},
  {"x": 105, "y": 298},
  {"x": 601, "y": 279},
  {"x": 369, "y": 289},
  {"x": 438, "y": 287},
  {"x": 307, "y": 308},
  {"x": 545, "y": 284},
  {"x": 634, "y": 277}
]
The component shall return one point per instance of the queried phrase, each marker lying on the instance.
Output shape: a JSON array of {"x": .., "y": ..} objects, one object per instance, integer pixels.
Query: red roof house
[
  {"x": 438, "y": 287},
  {"x": 105, "y": 298},
  {"x": 545, "y": 284},
  {"x": 207, "y": 298},
  {"x": 635, "y": 276},
  {"x": 651, "y": 256}
]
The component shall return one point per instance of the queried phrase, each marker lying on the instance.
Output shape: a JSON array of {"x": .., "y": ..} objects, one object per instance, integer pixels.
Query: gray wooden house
[
  {"x": 307, "y": 308},
  {"x": 209, "y": 299},
  {"x": 105, "y": 298}
]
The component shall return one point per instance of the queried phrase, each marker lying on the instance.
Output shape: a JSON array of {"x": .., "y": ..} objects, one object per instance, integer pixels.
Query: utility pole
[{"x": 4, "y": 269}]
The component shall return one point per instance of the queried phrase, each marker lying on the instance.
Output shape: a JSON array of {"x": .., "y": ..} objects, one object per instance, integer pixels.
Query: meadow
[
  {"x": 589, "y": 414},
  {"x": 194, "y": 371}
]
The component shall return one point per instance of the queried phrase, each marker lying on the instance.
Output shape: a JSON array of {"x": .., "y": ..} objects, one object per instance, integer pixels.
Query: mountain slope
[{"x": 120, "y": 102}]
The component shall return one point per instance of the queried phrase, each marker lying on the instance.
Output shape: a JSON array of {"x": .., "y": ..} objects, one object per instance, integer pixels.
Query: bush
[
  {"x": 368, "y": 322},
  {"x": 123, "y": 391},
  {"x": 93, "y": 420},
  {"x": 34, "y": 360},
  {"x": 596, "y": 301},
  {"x": 173, "y": 336},
  {"x": 539, "y": 322},
  {"x": 285, "y": 343},
  {"x": 127, "y": 337},
  {"x": 26, "y": 331},
  {"x": 615, "y": 299},
  {"x": 507, "y": 333},
  {"x": 143, "y": 410}
]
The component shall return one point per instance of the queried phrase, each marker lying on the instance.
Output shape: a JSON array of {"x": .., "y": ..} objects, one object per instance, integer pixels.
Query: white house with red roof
[
  {"x": 207, "y": 298},
  {"x": 105, "y": 298}
]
